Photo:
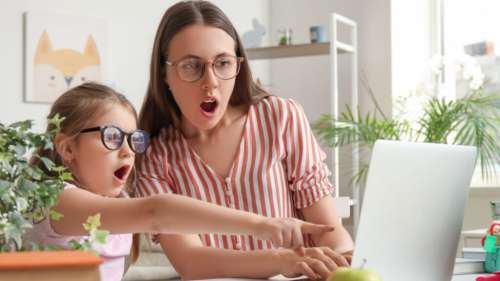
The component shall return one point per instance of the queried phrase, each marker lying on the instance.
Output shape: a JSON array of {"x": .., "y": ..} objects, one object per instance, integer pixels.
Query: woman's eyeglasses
[
  {"x": 112, "y": 137},
  {"x": 192, "y": 69}
]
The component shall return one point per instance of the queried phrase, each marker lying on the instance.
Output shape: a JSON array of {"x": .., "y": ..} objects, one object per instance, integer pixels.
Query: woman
[{"x": 218, "y": 137}]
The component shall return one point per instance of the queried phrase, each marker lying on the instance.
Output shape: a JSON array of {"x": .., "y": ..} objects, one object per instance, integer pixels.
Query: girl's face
[
  {"x": 97, "y": 168},
  {"x": 204, "y": 101}
]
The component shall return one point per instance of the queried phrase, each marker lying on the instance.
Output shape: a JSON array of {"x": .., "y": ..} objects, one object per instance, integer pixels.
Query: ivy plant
[{"x": 28, "y": 192}]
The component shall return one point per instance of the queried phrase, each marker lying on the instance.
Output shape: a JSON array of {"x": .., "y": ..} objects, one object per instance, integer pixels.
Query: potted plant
[
  {"x": 471, "y": 120},
  {"x": 27, "y": 194}
]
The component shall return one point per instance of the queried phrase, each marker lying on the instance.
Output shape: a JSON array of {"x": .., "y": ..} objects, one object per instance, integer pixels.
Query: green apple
[{"x": 354, "y": 274}]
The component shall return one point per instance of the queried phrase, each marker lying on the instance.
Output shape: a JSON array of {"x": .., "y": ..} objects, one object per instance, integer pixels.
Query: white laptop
[{"x": 413, "y": 209}]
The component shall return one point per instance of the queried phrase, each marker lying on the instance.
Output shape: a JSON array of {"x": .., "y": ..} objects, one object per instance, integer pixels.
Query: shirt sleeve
[
  {"x": 152, "y": 171},
  {"x": 307, "y": 173}
]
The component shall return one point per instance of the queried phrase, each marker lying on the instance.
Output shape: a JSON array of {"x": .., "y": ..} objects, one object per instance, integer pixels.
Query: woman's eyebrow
[
  {"x": 189, "y": 56},
  {"x": 198, "y": 57},
  {"x": 224, "y": 54}
]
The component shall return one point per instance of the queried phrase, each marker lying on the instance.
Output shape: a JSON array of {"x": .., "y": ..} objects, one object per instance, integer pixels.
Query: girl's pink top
[{"x": 113, "y": 253}]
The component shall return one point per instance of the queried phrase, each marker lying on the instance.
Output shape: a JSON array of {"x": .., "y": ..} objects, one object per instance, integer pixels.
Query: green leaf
[
  {"x": 47, "y": 162},
  {"x": 99, "y": 236},
  {"x": 38, "y": 215},
  {"x": 15, "y": 234},
  {"x": 66, "y": 176},
  {"x": 93, "y": 222},
  {"x": 26, "y": 185},
  {"x": 56, "y": 122},
  {"x": 75, "y": 245},
  {"x": 34, "y": 172},
  {"x": 4, "y": 185},
  {"x": 21, "y": 203},
  {"x": 55, "y": 215},
  {"x": 17, "y": 219}
]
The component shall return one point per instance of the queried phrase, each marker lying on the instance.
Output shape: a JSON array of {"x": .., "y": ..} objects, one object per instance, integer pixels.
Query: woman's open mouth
[
  {"x": 208, "y": 106},
  {"x": 122, "y": 173}
]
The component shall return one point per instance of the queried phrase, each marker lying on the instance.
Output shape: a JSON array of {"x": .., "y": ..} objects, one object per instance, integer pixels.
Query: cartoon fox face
[{"x": 55, "y": 71}]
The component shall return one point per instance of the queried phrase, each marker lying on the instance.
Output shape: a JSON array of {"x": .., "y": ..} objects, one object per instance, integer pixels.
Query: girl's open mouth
[
  {"x": 122, "y": 172},
  {"x": 208, "y": 106}
]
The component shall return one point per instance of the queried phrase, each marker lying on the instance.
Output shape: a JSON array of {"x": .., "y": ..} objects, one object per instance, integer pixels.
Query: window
[{"x": 471, "y": 39}]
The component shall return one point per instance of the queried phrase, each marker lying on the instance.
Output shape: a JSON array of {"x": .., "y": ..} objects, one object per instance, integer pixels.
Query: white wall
[
  {"x": 310, "y": 75},
  {"x": 133, "y": 26},
  {"x": 307, "y": 79}
]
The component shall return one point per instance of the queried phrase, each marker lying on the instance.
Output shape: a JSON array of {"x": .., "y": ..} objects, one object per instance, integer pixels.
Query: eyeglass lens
[
  {"x": 113, "y": 139},
  {"x": 192, "y": 69}
]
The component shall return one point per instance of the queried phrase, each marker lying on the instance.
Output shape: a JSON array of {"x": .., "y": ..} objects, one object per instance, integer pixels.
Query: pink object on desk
[{"x": 492, "y": 277}]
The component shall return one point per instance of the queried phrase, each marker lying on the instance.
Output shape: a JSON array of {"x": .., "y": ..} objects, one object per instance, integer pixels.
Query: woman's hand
[
  {"x": 348, "y": 256},
  {"x": 288, "y": 232},
  {"x": 315, "y": 263}
]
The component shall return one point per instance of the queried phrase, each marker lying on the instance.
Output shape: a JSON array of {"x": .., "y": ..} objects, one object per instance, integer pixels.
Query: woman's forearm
[
  {"x": 340, "y": 241},
  {"x": 206, "y": 262}
]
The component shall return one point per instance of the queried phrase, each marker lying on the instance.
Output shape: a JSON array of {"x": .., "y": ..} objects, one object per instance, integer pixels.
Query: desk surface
[{"x": 465, "y": 277}]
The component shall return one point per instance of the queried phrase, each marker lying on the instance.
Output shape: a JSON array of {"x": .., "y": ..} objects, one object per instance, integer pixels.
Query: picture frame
[{"x": 63, "y": 51}]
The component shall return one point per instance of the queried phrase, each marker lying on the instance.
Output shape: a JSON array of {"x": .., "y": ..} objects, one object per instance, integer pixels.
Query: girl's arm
[{"x": 169, "y": 213}]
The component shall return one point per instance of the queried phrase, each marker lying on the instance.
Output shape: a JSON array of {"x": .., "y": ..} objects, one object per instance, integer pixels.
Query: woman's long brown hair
[{"x": 159, "y": 109}]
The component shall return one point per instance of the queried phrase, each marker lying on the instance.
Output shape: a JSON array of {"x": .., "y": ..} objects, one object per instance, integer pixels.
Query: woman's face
[{"x": 202, "y": 102}]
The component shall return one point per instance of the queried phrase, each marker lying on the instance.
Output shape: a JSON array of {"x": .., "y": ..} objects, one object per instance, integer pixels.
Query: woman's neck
[{"x": 232, "y": 114}]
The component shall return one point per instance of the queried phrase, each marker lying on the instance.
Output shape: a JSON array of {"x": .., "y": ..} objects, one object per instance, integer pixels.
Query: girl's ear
[{"x": 64, "y": 147}]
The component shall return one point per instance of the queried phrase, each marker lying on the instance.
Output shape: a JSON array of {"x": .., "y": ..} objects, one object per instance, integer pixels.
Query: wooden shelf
[{"x": 299, "y": 50}]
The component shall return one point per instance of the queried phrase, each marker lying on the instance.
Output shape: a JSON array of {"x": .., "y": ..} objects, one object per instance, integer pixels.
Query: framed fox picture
[{"x": 63, "y": 51}]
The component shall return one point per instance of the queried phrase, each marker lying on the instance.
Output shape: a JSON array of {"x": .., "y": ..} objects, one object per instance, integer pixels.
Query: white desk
[{"x": 466, "y": 277}]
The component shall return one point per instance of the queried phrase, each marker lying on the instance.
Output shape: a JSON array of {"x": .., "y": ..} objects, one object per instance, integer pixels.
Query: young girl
[
  {"x": 98, "y": 141},
  {"x": 218, "y": 137}
]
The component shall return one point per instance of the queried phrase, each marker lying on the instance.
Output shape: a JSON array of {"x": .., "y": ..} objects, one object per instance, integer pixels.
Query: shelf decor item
[
  {"x": 495, "y": 210},
  {"x": 253, "y": 38},
  {"x": 317, "y": 34},
  {"x": 285, "y": 36}
]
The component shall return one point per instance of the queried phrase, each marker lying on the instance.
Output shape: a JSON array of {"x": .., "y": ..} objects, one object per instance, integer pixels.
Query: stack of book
[
  {"x": 474, "y": 253},
  {"x": 472, "y": 261},
  {"x": 484, "y": 48},
  {"x": 468, "y": 266}
]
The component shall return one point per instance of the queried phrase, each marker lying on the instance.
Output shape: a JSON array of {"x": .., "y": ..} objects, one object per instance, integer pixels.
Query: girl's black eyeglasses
[{"x": 112, "y": 138}]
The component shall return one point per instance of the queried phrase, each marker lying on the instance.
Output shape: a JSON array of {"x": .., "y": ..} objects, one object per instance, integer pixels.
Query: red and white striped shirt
[{"x": 278, "y": 169}]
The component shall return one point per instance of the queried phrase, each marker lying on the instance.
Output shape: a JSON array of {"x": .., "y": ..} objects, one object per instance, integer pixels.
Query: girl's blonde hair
[{"x": 79, "y": 106}]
